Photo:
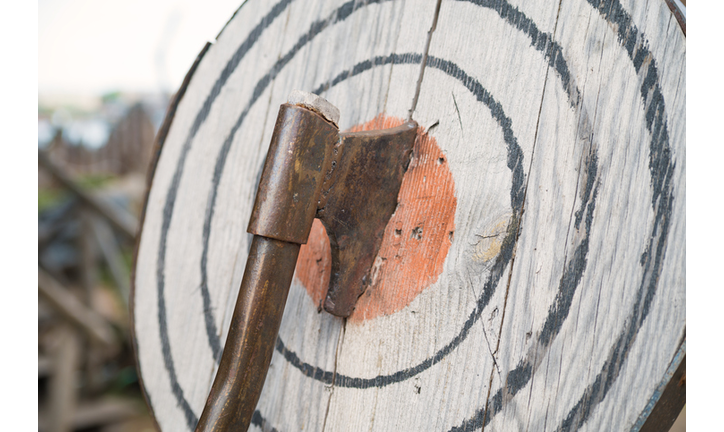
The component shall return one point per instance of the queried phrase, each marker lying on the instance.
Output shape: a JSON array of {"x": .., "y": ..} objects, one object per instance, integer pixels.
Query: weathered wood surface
[{"x": 560, "y": 301}]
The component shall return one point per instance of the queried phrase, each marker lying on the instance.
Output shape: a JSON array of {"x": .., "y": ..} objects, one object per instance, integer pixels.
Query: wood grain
[{"x": 560, "y": 301}]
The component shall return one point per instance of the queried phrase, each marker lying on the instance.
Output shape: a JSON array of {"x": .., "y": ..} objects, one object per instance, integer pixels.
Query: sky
[{"x": 92, "y": 47}]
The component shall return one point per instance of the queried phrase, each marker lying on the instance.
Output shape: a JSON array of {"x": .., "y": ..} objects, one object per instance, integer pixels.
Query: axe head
[
  {"x": 349, "y": 181},
  {"x": 358, "y": 197}
]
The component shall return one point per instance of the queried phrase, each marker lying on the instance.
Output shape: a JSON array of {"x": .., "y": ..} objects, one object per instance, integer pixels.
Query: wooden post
[
  {"x": 532, "y": 277},
  {"x": 111, "y": 252},
  {"x": 88, "y": 256},
  {"x": 63, "y": 385}
]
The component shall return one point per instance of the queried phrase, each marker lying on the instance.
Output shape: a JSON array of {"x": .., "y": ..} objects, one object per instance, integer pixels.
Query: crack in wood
[
  {"x": 460, "y": 121},
  {"x": 492, "y": 354},
  {"x": 519, "y": 225},
  {"x": 424, "y": 60},
  {"x": 340, "y": 339}
]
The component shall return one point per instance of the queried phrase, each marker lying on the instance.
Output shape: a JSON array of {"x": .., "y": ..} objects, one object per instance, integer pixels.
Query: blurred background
[{"x": 106, "y": 73}]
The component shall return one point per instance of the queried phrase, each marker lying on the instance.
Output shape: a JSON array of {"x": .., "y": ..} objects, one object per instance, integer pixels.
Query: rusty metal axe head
[{"x": 349, "y": 181}]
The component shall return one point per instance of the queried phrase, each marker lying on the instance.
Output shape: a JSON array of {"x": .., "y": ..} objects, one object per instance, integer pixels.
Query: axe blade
[{"x": 359, "y": 195}]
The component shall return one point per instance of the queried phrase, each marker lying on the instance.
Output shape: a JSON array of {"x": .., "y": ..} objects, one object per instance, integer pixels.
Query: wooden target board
[{"x": 533, "y": 276}]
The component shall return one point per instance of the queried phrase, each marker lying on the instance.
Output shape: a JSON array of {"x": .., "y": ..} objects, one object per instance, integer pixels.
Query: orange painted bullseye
[{"x": 416, "y": 240}]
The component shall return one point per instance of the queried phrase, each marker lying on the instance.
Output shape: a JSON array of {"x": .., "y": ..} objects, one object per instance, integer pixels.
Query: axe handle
[
  {"x": 252, "y": 336},
  {"x": 300, "y": 155}
]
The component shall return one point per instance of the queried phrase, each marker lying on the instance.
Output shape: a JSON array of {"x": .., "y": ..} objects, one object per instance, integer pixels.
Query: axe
[{"x": 350, "y": 182}]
